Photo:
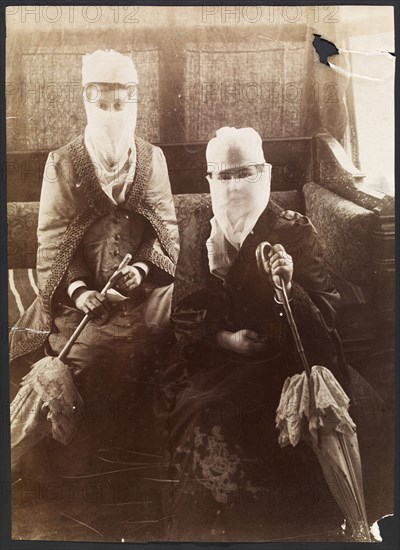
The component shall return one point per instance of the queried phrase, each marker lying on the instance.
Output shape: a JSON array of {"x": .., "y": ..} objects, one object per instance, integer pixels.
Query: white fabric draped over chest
[
  {"x": 237, "y": 204},
  {"x": 115, "y": 181}
]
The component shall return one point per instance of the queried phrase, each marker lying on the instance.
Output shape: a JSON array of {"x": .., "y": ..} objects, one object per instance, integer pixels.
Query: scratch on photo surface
[
  {"x": 107, "y": 449},
  {"x": 128, "y": 502},
  {"x": 152, "y": 464},
  {"x": 162, "y": 480},
  {"x": 82, "y": 523},
  {"x": 98, "y": 474},
  {"x": 149, "y": 520}
]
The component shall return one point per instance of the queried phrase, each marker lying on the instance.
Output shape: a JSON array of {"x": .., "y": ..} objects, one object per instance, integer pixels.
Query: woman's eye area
[
  {"x": 242, "y": 174},
  {"x": 107, "y": 106}
]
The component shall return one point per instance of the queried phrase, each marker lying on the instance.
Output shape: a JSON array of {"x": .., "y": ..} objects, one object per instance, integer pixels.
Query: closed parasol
[
  {"x": 48, "y": 401},
  {"x": 314, "y": 407}
]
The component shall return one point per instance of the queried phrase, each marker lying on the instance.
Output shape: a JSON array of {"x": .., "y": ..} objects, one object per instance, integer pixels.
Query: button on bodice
[{"x": 109, "y": 239}]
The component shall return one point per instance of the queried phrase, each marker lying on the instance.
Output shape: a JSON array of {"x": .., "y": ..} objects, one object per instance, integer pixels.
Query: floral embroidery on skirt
[{"x": 214, "y": 466}]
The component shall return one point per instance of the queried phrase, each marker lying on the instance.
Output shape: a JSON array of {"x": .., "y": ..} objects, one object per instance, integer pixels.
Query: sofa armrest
[
  {"x": 358, "y": 245},
  {"x": 345, "y": 231}
]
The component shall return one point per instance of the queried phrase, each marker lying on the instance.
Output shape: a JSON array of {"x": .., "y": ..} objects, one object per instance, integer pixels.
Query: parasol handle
[
  {"x": 261, "y": 255},
  {"x": 113, "y": 279}
]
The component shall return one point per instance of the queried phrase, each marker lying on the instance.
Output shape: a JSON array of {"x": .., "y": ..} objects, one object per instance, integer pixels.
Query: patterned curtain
[
  {"x": 260, "y": 84},
  {"x": 48, "y": 110}
]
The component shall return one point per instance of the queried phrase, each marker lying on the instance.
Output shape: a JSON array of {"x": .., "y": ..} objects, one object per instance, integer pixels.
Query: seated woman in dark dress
[{"x": 234, "y": 339}]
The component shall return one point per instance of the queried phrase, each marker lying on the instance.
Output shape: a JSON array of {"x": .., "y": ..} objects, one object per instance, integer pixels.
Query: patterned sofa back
[
  {"x": 22, "y": 218},
  {"x": 343, "y": 227},
  {"x": 344, "y": 231}
]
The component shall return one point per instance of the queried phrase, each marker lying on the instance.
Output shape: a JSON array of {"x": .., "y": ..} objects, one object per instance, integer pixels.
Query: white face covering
[
  {"x": 111, "y": 133},
  {"x": 237, "y": 204}
]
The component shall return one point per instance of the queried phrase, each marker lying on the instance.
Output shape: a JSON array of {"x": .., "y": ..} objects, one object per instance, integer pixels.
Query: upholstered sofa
[{"x": 344, "y": 230}]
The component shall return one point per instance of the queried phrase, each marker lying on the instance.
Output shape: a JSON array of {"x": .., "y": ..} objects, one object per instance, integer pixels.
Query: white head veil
[
  {"x": 110, "y": 135},
  {"x": 237, "y": 203}
]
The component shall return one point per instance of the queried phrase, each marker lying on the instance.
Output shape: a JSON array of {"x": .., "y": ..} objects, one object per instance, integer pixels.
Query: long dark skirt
[{"x": 226, "y": 460}]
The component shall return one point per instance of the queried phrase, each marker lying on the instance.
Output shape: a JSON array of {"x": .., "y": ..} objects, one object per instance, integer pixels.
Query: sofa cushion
[{"x": 355, "y": 317}]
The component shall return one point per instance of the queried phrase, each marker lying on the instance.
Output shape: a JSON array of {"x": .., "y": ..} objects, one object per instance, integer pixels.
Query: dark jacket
[{"x": 203, "y": 304}]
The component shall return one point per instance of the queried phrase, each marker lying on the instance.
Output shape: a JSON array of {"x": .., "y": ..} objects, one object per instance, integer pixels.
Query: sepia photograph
[{"x": 201, "y": 272}]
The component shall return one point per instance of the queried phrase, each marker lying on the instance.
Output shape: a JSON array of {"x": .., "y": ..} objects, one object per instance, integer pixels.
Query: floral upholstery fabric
[{"x": 22, "y": 219}]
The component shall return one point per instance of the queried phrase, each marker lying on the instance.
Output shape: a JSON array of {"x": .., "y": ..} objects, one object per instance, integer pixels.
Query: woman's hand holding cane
[{"x": 278, "y": 264}]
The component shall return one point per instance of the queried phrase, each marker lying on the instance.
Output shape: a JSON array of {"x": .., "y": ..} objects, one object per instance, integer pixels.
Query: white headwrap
[
  {"x": 108, "y": 66},
  {"x": 110, "y": 135},
  {"x": 236, "y": 203}
]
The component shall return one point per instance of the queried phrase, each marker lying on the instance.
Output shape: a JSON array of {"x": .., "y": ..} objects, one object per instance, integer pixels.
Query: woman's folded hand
[
  {"x": 244, "y": 342},
  {"x": 130, "y": 279}
]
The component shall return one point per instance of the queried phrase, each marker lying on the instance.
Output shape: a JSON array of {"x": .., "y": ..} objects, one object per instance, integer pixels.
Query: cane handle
[{"x": 262, "y": 252}]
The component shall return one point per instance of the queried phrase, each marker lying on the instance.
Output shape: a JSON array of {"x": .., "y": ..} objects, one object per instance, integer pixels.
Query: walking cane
[
  {"x": 111, "y": 282},
  {"x": 262, "y": 252}
]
